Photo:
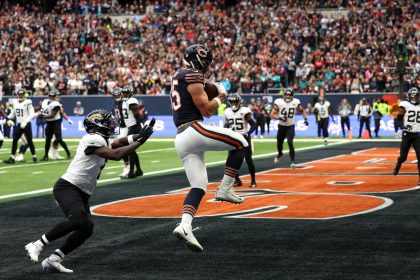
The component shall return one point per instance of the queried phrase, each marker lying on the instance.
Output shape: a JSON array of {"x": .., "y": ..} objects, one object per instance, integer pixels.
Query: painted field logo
[{"x": 330, "y": 188}]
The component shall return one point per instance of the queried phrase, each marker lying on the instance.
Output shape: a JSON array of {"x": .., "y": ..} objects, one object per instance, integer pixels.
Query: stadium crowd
[{"x": 256, "y": 46}]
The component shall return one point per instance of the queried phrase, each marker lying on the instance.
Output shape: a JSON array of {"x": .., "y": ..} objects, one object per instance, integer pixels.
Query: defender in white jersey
[
  {"x": 322, "y": 110},
  {"x": 130, "y": 112},
  {"x": 284, "y": 110},
  {"x": 238, "y": 118},
  {"x": 24, "y": 112},
  {"x": 118, "y": 112},
  {"x": 410, "y": 113},
  {"x": 53, "y": 113},
  {"x": 73, "y": 190}
]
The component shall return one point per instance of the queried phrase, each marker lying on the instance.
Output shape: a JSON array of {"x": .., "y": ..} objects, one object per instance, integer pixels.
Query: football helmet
[
  {"x": 198, "y": 57},
  {"x": 413, "y": 96},
  {"x": 21, "y": 94},
  {"x": 117, "y": 94},
  {"x": 235, "y": 101},
  {"x": 127, "y": 92},
  {"x": 288, "y": 95},
  {"x": 53, "y": 94},
  {"x": 321, "y": 100},
  {"x": 100, "y": 122}
]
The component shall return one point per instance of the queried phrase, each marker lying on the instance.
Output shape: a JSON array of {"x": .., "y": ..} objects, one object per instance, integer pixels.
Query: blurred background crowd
[{"x": 82, "y": 47}]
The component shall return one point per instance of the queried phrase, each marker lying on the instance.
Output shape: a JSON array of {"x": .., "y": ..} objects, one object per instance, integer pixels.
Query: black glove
[
  {"x": 306, "y": 122},
  {"x": 146, "y": 132}
]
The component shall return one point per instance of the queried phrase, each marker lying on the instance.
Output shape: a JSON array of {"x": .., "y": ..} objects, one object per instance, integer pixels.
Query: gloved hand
[
  {"x": 2, "y": 122},
  {"x": 221, "y": 89},
  {"x": 70, "y": 121},
  {"x": 10, "y": 123},
  {"x": 23, "y": 125},
  {"x": 146, "y": 132}
]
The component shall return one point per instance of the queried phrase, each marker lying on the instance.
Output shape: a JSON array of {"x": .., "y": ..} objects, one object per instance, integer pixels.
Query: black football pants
[
  {"x": 133, "y": 157},
  {"x": 17, "y": 133},
  {"x": 410, "y": 139},
  {"x": 54, "y": 128},
  {"x": 248, "y": 158},
  {"x": 323, "y": 125},
  {"x": 75, "y": 205},
  {"x": 345, "y": 121},
  {"x": 286, "y": 132}
]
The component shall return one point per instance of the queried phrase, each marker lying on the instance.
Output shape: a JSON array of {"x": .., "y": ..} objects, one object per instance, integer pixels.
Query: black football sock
[{"x": 191, "y": 202}]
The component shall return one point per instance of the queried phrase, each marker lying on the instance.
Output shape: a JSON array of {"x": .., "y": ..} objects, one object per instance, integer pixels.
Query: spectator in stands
[{"x": 78, "y": 109}]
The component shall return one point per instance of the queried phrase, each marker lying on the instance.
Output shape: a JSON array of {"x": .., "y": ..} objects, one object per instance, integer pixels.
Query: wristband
[
  {"x": 130, "y": 139},
  {"x": 217, "y": 99}
]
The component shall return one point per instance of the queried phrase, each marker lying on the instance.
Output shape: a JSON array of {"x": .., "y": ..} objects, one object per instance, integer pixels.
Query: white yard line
[
  {"x": 7, "y": 151},
  {"x": 37, "y": 172},
  {"x": 160, "y": 171}
]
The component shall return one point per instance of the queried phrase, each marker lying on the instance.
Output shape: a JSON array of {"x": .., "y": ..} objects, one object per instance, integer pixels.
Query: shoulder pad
[{"x": 94, "y": 140}]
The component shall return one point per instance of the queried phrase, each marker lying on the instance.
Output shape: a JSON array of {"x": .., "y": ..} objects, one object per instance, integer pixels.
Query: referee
[
  {"x": 410, "y": 113},
  {"x": 365, "y": 111}
]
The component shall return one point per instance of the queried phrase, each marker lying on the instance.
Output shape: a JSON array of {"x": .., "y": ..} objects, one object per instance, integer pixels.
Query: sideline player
[
  {"x": 130, "y": 111},
  {"x": 24, "y": 112},
  {"x": 323, "y": 109},
  {"x": 118, "y": 112},
  {"x": 284, "y": 110},
  {"x": 2, "y": 122},
  {"x": 73, "y": 190},
  {"x": 189, "y": 104},
  {"x": 52, "y": 113},
  {"x": 238, "y": 118},
  {"x": 410, "y": 113}
]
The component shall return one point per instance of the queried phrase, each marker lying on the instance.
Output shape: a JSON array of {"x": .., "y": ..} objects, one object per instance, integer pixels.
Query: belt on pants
[{"x": 184, "y": 126}]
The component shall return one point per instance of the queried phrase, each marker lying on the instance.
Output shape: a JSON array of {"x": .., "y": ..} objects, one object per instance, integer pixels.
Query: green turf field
[{"x": 157, "y": 157}]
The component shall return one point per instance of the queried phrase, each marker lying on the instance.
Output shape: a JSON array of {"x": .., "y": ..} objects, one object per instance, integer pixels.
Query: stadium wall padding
[
  {"x": 165, "y": 127},
  {"x": 160, "y": 105}
]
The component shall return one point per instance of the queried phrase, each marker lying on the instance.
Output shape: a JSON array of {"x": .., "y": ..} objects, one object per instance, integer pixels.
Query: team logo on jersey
[{"x": 340, "y": 187}]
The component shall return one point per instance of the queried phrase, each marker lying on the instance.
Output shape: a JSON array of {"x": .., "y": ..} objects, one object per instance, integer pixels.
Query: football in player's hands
[{"x": 211, "y": 90}]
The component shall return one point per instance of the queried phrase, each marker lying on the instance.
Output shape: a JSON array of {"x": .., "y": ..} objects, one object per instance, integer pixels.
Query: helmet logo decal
[{"x": 202, "y": 52}]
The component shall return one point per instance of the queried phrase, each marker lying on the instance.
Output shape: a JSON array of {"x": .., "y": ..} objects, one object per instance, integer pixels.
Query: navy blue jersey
[
  {"x": 118, "y": 112},
  {"x": 183, "y": 107}
]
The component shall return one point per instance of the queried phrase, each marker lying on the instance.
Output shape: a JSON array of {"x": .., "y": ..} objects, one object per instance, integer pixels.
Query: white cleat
[
  {"x": 325, "y": 142},
  {"x": 125, "y": 172},
  {"x": 184, "y": 233},
  {"x": 52, "y": 155},
  {"x": 33, "y": 251},
  {"x": 228, "y": 195},
  {"x": 54, "y": 266},
  {"x": 277, "y": 159},
  {"x": 293, "y": 165},
  {"x": 20, "y": 158}
]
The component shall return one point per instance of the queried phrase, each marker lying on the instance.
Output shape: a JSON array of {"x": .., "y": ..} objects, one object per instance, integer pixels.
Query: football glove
[
  {"x": 70, "y": 121},
  {"x": 221, "y": 89},
  {"x": 146, "y": 132},
  {"x": 10, "y": 123},
  {"x": 2, "y": 122}
]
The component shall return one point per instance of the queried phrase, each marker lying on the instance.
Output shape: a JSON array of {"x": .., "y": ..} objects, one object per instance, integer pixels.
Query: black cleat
[
  {"x": 396, "y": 169},
  {"x": 139, "y": 172},
  {"x": 34, "y": 160},
  {"x": 253, "y": 184},
  {"x": 45, "y": 158},
  {"x": 10, "y": 160},
  {"x": 237, "y": 183},
  {"x": 69, "y": 157}
]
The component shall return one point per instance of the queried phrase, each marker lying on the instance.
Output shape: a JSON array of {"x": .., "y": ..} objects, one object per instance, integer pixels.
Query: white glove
[
  {"x": 23, "y": 125},
  {"x": 221, "y": 89},
  {"x": 10, "y": 123},
  {"x": 70, "y": 121},
  {"x": 2, "y": 122}
]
